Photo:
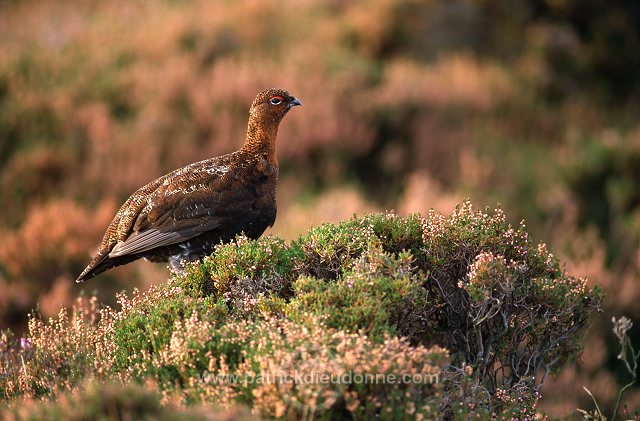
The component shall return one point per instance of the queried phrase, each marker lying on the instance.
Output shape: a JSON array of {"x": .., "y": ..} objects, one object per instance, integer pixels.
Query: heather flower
[{"x": 25, "y": 344}]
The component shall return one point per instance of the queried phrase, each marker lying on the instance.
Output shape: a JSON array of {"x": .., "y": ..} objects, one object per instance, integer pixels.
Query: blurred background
[{"x": 408, "y": 105}]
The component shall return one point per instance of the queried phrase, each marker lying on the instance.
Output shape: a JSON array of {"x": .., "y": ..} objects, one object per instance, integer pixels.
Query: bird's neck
[{"x": 261, "y": 139}]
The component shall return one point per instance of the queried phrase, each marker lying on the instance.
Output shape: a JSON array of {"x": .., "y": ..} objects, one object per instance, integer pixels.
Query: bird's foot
[{"x": 177, "y": 265}]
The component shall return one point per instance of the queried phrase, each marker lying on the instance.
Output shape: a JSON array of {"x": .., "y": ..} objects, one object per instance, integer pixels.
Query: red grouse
[{"x": 182, "y": 216}]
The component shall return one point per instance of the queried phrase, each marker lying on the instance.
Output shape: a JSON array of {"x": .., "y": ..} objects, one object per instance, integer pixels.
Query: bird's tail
[{"x": 102, "y": 263}]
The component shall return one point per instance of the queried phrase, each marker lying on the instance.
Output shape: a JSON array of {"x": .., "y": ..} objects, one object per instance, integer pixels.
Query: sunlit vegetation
[
  {"x": 465, "y": 309},
  {"x": 408, "y": 105}
]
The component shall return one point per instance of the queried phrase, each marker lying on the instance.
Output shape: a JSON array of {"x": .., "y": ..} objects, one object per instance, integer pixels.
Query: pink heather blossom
[{"x": 25, "y": 344}]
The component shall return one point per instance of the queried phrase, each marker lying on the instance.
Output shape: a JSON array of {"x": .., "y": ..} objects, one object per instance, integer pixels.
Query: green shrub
[
  {"x": 466, "y": 301},
  {"x": 380, "y": 294},
  {"x": 505, "y": 305}
]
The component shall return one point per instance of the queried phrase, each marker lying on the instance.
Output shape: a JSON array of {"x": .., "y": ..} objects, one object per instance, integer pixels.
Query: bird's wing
[
  {"x": 187, "y": 205},
  {"x": 152, "y": 238},
  {"x": 169, "y": 222}
]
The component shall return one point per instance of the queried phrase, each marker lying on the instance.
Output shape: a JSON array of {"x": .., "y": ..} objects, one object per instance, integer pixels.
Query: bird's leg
[{"x": 177, "y": 264}]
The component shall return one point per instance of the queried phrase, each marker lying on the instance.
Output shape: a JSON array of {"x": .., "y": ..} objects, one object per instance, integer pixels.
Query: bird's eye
[{"x": 276, "y": 100}]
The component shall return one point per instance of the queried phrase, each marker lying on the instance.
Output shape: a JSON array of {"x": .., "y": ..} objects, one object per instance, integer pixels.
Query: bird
[{"x": 182, "y": 216}]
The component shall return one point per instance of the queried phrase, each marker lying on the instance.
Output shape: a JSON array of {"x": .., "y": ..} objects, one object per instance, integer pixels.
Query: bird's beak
[{"x": 293, "y": 102}]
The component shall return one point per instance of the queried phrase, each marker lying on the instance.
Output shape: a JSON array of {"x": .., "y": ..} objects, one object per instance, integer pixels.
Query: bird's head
[{"x": 272, "y": 104}]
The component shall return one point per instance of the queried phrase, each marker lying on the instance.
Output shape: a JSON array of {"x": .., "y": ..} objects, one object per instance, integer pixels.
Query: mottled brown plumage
[{"x": 184, "y": 214}]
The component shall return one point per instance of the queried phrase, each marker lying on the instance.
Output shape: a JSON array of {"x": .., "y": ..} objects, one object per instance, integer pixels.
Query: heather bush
[
  {"x": 247, "y": 267},
  {"x": 107, "y": 401},
  {"x": 465, "y": 305},
  {"x": 378, "y": 297},
  {"x": 509, "y": 309},
  {"x": 50, "y": 248}
]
